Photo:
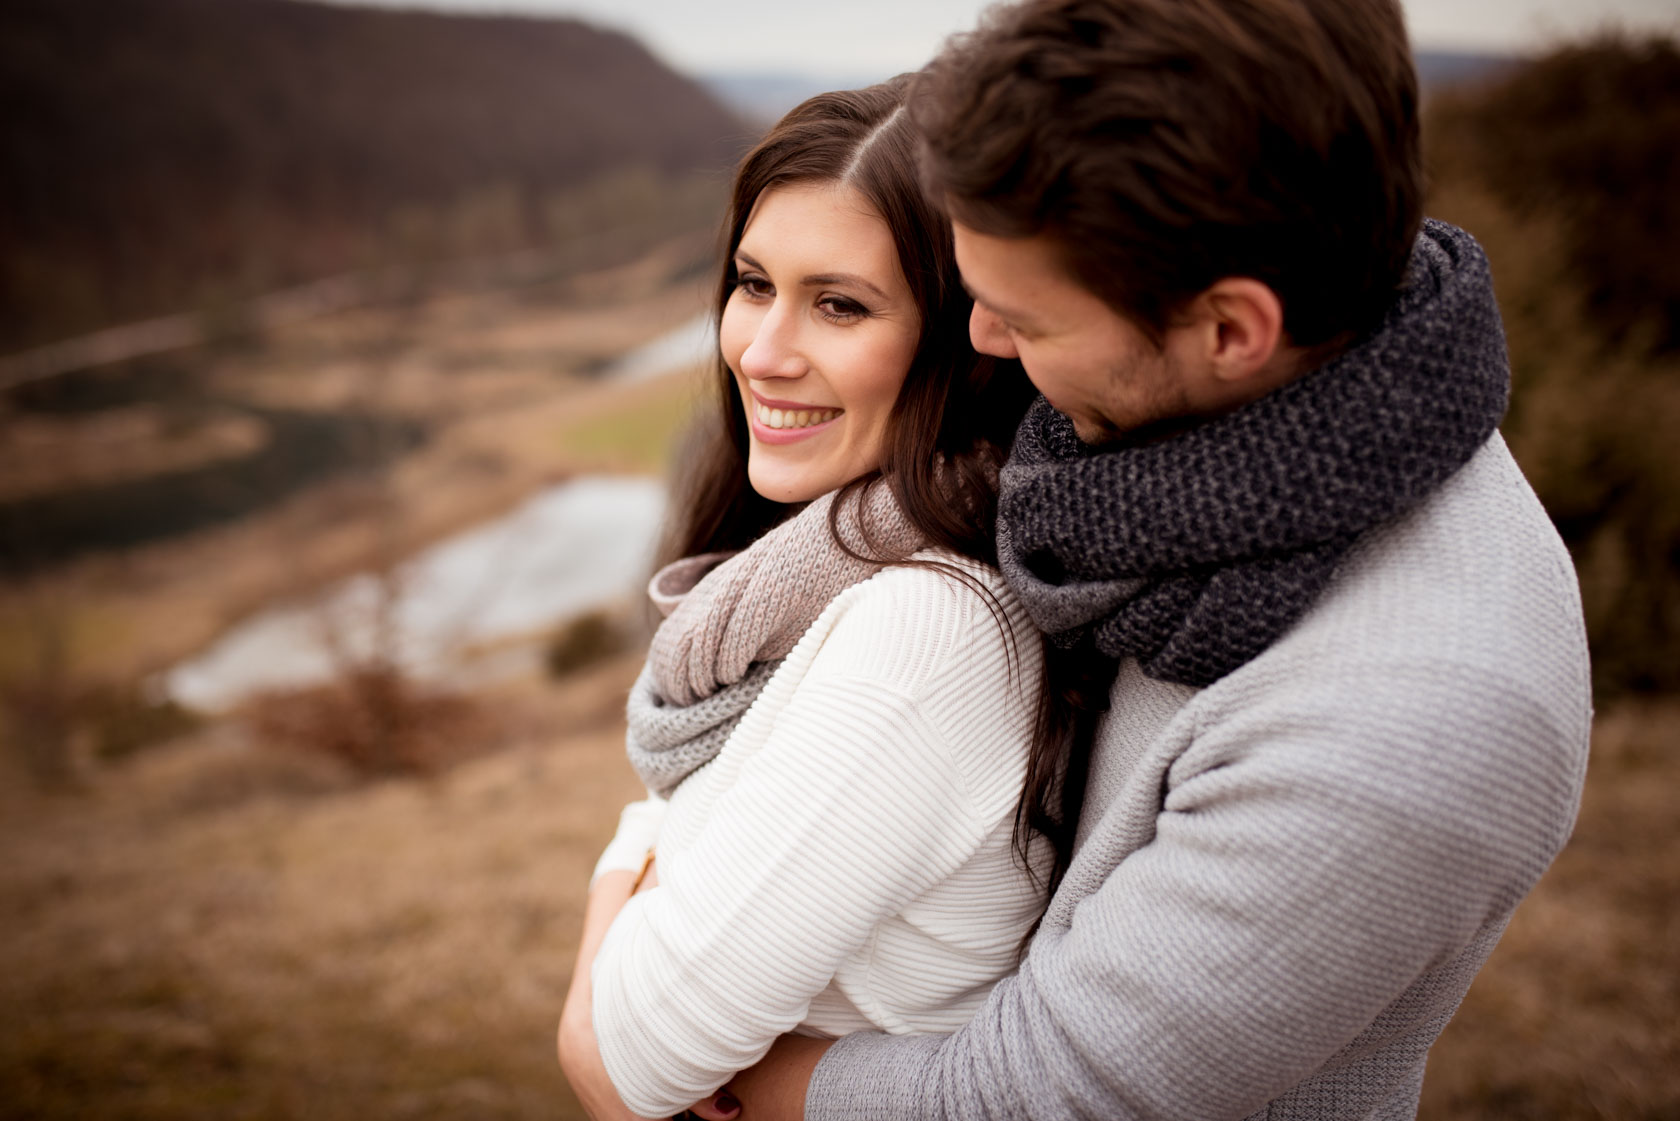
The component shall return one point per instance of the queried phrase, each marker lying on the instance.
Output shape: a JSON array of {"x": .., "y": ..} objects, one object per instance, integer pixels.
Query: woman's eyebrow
[
  {"x": 821, "y": 278},
  {"x": 817, "y": 279}
]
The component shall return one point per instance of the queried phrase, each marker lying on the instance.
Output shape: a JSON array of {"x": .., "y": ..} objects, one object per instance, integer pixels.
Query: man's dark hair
[{"x": 1165, "y": 144}]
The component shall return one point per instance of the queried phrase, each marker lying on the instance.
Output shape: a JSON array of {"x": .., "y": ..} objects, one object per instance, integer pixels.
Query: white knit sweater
[{"x": 846, "y": 862}]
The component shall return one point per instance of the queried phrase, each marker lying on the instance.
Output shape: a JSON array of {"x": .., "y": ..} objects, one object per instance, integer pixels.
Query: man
[{"x": 1349, "y": 719}]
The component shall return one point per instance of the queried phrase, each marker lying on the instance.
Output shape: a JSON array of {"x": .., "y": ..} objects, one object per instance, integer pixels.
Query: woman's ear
[{"x": 1243, "y": 321}]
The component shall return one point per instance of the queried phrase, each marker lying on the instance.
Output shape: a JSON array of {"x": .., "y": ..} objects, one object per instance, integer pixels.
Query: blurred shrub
[
  {"x": 125, "y": 719},
  {"x": 1567, "y": 172},
  {"x": 39, "y": 692},
  {"x": 59, "y": 724},
  {"x": 40, "y": 727},
  {"x": 1589, "y": 137},
  {"x": 376, "y": 720},
  {"x": 582, "y": 642}
]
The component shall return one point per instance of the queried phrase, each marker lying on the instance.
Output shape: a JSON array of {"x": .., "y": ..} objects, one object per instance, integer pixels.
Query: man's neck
[{"x": 1289, "y": 364}]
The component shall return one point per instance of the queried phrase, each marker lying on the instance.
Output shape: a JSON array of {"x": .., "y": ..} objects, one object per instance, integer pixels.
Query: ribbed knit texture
[
  {"x": 1286, "y": 881},
  {"x": 845, "y": 863},
  {"x": 730, "y": 620},
  {"x": 1193, "y": 553}
]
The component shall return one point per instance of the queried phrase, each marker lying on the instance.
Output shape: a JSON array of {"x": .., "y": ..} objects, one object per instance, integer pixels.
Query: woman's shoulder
[
  {"x": 916, "y": 625},
  {"x": 940, "y": 575},
  {"x": 949, "y": 649}
]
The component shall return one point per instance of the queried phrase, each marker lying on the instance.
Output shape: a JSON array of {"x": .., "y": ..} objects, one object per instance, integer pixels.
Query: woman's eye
[
  {"x": 840, "y": 309},
  {"x": 755, "y": 286}
]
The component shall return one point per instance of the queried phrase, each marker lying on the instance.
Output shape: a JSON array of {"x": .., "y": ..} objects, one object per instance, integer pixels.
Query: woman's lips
[{"x": 777, "y": 422}]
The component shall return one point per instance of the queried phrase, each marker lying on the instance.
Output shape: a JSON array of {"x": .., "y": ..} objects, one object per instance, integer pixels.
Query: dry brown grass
[
  {"x": 214, "y": 931},
  {"x": 1574, "y": 1017},
  {"x": 378, "y": 721}
]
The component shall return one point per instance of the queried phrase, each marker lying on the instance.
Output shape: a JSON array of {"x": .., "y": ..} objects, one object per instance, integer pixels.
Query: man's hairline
[{"x": 1060, "y": 260}]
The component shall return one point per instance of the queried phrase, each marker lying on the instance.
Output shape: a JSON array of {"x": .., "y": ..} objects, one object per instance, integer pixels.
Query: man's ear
[{"x": 1243, "y": 328}]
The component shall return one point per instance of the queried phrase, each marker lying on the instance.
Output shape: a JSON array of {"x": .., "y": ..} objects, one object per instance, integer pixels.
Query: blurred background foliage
[{"x": 1568, "y": 172}]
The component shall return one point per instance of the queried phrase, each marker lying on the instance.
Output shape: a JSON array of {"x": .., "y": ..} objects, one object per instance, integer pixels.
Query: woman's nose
[
  {"x": 988, "y": 334},
  {"x": 774, "y": 351}
]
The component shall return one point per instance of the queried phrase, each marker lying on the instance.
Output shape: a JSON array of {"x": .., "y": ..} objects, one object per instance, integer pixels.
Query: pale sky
[{"x": 875, "y": 38}]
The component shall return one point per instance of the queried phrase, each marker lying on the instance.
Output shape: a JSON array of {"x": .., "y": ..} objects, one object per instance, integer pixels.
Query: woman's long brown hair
[{"x": 947, "y": 435}]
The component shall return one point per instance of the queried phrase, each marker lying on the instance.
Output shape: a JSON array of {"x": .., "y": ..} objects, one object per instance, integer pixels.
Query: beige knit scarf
[{"x": 730, "y": 620}]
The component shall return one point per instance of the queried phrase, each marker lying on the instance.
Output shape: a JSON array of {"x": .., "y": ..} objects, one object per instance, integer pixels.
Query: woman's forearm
[{"x": 580, "y": 1058}]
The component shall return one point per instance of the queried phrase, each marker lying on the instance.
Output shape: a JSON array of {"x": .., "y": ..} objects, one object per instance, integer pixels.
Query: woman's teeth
[{"x": 793, "y": 418}]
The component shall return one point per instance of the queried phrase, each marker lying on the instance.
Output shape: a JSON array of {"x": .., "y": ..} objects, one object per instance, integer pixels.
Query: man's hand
[{"x": 774, "y": 1089}]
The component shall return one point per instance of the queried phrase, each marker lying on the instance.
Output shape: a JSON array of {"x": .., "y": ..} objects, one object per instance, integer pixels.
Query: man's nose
[{"x": 988, "y": 334}]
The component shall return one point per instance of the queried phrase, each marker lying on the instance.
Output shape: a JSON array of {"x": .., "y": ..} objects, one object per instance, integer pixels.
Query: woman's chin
[
  {"x": 791, "y": 486},
  {"x": 789, "y": 493}
]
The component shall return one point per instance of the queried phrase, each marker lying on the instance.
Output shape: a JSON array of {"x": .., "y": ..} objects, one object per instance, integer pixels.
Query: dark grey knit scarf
[{"x": 1194, "y": 554}]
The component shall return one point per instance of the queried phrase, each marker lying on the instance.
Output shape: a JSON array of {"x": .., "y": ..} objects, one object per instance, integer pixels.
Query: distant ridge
[
  {"x": 154, "y": 153},
  {"x": 1440, "y": 69},
  {"x": 764, "y": 95}
]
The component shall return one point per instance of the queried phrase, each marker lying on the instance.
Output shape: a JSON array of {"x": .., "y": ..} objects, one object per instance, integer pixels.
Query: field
[
  {"x": 224, "y": 931},
  {"x": 222, "y": 927},
  {"x": 505, "y": 384},
  {"x": 219, "y": 930}
]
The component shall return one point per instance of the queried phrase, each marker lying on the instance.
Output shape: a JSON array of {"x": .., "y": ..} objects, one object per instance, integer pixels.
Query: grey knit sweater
[{"x": 1285, "y": 881}]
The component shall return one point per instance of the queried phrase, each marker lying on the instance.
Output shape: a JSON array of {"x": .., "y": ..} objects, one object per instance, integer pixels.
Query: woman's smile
[{"x": 784, "y": 422}]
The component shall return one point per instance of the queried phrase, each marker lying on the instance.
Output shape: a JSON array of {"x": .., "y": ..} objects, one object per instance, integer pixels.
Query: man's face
[{"x": 1089, "y": 361}]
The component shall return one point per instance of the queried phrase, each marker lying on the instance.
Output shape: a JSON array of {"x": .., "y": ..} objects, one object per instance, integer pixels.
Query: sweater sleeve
[
  {"x": 852, "y": 808},
  {"x": 638, "y": 829},
  {"x": 1311, "y": 859}
]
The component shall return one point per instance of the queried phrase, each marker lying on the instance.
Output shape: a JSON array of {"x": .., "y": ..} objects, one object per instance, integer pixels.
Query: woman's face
[{"x": 819, "y": 333}]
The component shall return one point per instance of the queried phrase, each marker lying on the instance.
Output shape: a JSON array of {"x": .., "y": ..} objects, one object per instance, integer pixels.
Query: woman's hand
[
  {"x": 774, "y": 1089},
  {"x": 580, "y": 1058},
  {"x": 776, "y": 1086}
]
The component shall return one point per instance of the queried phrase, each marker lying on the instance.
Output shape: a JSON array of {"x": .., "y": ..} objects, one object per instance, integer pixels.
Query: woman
[{"x": 864, "y": 746}]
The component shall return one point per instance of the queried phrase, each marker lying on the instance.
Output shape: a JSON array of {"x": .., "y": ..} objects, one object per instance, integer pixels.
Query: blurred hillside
[
  {"x": 159, "y": 156},
  {"x": 1568, "y": 171}
]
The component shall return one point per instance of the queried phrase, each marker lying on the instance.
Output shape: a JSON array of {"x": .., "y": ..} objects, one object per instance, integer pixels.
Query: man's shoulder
[
  {"x": 1450, "y": 641},
  {"x": 1474, "y": 579},
  {"x": 1459, "y": 622}
]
